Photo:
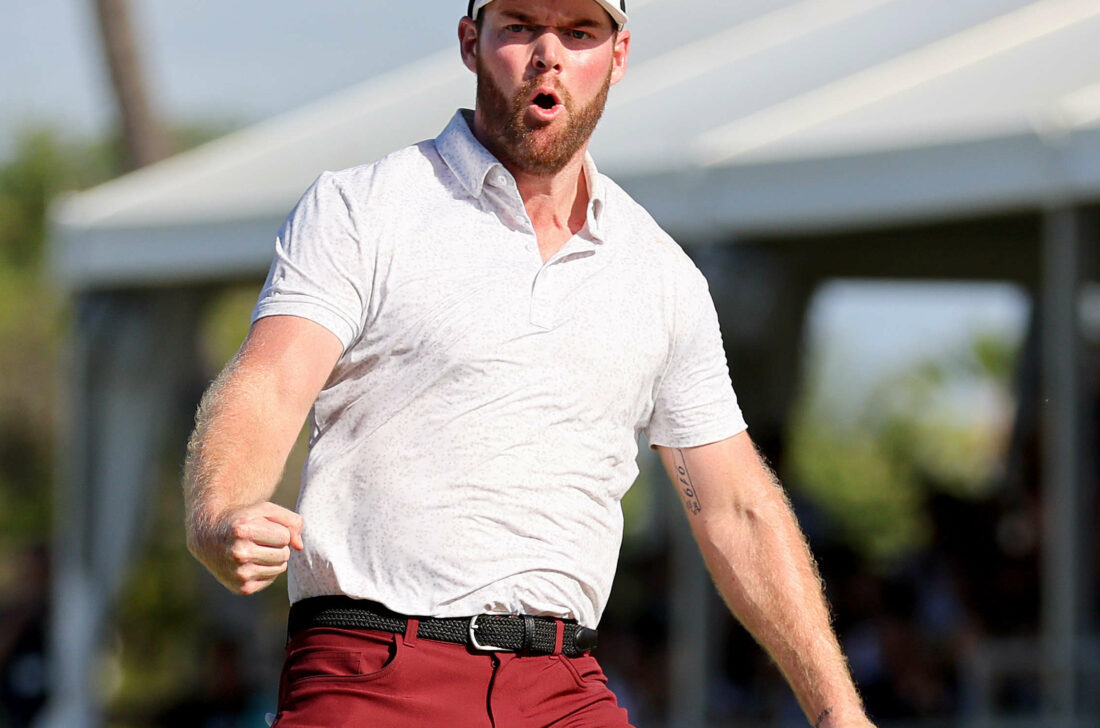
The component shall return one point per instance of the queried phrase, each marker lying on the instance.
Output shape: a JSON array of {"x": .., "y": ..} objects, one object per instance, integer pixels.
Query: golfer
[{"x": 479, "y": 327}]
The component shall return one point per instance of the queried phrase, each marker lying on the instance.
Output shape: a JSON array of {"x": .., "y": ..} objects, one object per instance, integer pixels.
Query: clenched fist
[{"x": 247, "y": 548}]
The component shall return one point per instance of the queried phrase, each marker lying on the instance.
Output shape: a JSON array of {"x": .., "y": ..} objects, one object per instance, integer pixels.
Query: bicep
[
  {"x": 290, "y": 358},
  {"x": 250, "y": 416},
  {"x": 720, "y": 478}
]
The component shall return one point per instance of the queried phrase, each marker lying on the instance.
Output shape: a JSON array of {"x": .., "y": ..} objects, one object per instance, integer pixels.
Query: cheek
[
  {"x": 506, "y": 71},
  {"x": 508, "y": 60},
  {"x": 592, "y": 75}
]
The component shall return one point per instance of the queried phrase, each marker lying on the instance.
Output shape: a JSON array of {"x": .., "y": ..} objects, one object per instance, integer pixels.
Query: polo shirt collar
[
  {"x": 467, "y": 159},
  {"x": 471, "y": 163},
  {"x": 596, "y": 198}
]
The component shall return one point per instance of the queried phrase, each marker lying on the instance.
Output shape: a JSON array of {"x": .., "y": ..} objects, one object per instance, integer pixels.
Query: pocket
[
  {"x": 329, "y": 676},
  {"x": 586, "y": 671},
  {"x": 320, "y": 663}
]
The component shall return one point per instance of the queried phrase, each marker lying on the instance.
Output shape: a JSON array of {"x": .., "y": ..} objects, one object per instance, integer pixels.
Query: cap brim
[{"x": 614, "y": 9}]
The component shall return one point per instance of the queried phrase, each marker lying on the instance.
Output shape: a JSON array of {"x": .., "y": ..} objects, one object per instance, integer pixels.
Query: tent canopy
[{"x": 760, "y": 116}]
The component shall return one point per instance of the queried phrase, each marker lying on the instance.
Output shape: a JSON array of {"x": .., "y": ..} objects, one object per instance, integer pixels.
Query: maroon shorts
[{"x": 336, "y": 678}]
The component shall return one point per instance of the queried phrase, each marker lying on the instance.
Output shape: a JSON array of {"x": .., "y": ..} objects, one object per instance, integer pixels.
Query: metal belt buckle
[{"x": 477, "y": 645}]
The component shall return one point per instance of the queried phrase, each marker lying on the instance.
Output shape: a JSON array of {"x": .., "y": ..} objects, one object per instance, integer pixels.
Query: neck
[
  {"x": 557, "y": 204},
  {"x": 558, "y": 193}
]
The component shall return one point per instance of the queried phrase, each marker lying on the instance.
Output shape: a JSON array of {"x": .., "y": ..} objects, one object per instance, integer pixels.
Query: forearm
[
  {"x": 237, "y": 452},
  {"x": 764, "y": 571},
  {"x": 761, "y": 564},
  {"x": 244, "y": 430}
]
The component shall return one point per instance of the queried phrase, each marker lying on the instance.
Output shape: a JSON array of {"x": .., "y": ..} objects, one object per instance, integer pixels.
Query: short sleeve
[
  {"x": 320, "y": 269},
  {"x": 695, "y": 403}
]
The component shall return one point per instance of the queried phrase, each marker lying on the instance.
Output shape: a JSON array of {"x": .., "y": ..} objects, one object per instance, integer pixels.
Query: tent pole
[
  {"x": 1061, "y": 468},
  {"x": 689, "y": 618},
  {"x": 73, "y": 611}
]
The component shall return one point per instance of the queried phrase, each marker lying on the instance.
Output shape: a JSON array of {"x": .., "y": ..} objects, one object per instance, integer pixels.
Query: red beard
[{"x": 540, "y": 151}]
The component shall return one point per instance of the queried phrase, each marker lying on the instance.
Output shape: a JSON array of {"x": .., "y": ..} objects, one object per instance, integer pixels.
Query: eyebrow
[{"x": 525, "y": 19}]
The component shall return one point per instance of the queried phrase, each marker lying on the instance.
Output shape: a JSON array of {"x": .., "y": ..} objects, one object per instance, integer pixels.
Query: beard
[{"x": 538, "y": 151}]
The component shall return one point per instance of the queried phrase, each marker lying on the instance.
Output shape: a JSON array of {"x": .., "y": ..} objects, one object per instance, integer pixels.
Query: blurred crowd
[
  {"x": 24, "y": 611},
  {"x": 909, "y": 630}
]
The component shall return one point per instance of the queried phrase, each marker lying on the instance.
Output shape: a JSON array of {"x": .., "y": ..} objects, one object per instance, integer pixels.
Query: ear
[
  {"x": 619, "y": 54},
  {"x": 467, "y": 42}
]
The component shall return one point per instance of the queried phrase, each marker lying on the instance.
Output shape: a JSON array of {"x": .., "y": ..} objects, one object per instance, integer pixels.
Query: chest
[{"x": 587, "y": 321}]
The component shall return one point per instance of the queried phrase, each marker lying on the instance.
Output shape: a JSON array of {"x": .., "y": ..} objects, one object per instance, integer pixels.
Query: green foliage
[
  {"x": 874, "y": 498},
  {"x": 29, "y": 335},
  {"x": 26, "y": 185},
  {"x": 225, "y": 324},
  {"x": 941, "y": 424},
  {"x": 42, "y": 165},
  {"x": 158, "y": 633},
  {"x": 157, "y": 628}
]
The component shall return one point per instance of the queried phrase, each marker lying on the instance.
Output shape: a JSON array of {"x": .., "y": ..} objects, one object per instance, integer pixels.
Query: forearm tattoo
[
  {"x": 685, "y": 484},
  {"x": 821, "y": 718}
]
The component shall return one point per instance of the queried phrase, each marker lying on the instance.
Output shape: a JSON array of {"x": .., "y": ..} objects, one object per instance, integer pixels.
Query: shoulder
[
  {"x": 413, "y": 173},
  {"x": 395, "y": 173},
  {"x": 350, "y": 201},
  {"x": 650, "y": 245}
]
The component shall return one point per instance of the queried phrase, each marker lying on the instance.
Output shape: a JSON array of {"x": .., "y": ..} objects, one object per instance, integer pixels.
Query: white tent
[
  {"x": 754, "y": 116},
  {"x": 747, "y": 120}
]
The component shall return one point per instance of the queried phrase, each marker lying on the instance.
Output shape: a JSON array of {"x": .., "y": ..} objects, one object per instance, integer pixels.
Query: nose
[{"x": 546, "y": 52}]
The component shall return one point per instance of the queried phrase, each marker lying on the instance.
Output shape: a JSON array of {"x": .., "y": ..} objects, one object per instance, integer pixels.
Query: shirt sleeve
[
  {"x": 319, "y": 271},
  {"x": 695, "y": 403}
]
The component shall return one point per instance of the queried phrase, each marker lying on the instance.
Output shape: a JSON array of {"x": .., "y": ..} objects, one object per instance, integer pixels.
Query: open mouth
[{"x": 545, "y": 101}]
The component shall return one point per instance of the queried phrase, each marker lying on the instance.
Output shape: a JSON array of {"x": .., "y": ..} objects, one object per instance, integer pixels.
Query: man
[{"x": 483, "y": 325}]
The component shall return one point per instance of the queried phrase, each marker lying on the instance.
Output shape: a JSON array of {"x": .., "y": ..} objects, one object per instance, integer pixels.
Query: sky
[
  {"x": 235, "y": 62},
  {"x": 232, "y": 63},
  {"x": 889, "y": 325}
]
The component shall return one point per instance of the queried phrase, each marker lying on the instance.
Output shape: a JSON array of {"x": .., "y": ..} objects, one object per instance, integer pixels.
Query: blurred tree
[
  {"x": 42, "y": 165},
  {"x": 144, "y": 136},
  {"x": 939, "y": 426},
  {"x": 158, "y": 611},
  {"x": 29, "y": 333}
]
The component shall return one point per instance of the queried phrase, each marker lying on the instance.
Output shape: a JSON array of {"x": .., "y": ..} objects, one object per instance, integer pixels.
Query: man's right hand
[{"x": 247, "y": 548}]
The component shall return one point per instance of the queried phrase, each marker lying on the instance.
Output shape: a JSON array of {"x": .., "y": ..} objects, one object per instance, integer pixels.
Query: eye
[
  {"x": 515, "y": 28},
  {"x": 579, "y": 35}
]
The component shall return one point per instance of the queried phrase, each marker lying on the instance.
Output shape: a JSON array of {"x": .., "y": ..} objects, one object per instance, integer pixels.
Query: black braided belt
[{"x": 487, "y": 632}]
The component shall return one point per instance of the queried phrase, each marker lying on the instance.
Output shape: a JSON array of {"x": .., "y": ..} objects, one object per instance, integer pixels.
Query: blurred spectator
[
  {"x": 23, "y": 628},
  {"x": 223, "y": 700}
]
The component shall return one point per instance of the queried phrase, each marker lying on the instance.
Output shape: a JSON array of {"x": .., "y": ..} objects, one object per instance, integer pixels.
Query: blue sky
[{"x": 236, "y": 61}]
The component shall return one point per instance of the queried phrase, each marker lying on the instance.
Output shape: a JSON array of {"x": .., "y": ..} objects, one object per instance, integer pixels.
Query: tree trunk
[{"x": 142, "y": 133}]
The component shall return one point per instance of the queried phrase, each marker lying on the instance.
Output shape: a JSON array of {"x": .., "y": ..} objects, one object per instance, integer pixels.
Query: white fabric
[
  {"x": 471, "y": 448},
  {"x": 615, "y": 8}
]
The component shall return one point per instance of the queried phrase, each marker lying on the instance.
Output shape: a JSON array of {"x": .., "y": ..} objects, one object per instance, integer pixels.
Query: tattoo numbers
[{"x": 686, "y": 486}]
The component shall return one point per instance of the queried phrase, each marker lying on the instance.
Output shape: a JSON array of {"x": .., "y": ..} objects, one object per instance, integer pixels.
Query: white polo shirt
[{"x": 470, "y": 450}]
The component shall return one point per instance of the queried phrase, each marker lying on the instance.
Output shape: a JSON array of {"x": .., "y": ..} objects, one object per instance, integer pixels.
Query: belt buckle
[{"x": 476, "y": 644}]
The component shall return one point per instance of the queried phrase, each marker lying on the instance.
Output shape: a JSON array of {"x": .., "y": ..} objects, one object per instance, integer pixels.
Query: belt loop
[
  {"x": 559, "y": 636},
  {"x": 528, "y": 633},
  {"x": 411, "y": 626}
]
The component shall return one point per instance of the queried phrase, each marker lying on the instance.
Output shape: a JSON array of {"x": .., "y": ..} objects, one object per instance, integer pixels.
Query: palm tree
[{"x": 142, "y": 133}]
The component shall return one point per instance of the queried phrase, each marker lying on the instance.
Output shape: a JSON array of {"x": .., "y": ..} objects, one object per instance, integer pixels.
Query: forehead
[{"x": 589, "y": 11}]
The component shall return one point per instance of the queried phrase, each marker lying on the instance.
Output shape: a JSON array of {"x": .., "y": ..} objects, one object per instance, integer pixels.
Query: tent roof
[{"x": 755, "y": 116}]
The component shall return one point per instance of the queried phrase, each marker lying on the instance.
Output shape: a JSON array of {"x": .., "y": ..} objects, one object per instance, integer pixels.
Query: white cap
[{"x": 616, "y": 8}]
